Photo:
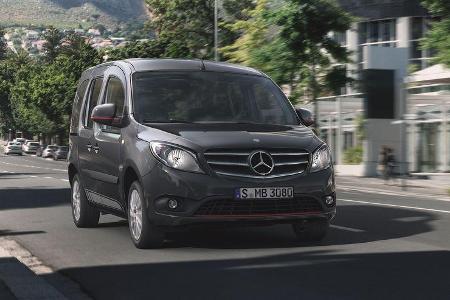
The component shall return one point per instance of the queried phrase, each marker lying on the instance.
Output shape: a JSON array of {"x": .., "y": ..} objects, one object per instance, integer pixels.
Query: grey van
[{"x": 172, "y": 144}]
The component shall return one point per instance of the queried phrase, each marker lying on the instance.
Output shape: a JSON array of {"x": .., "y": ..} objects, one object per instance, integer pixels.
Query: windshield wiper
[{"x": 167, "y": 121}]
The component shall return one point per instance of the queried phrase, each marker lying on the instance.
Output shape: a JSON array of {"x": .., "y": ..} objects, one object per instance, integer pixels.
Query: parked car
[
  {"x": 60, "y": 152},
  {"x": 30, "y": 146},
  {"x": 48, "y": 151},
  {"x": 13, "y": 148},
  {"x": 40, "y": 150},
  {"x": 19, "y": 140},
  {"x": 173, "y": 143}
]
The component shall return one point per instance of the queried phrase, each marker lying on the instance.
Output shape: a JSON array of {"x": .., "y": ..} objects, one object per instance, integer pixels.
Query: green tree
[
  {"x": 438, "y": 38},
  {"x": 290, "y": 41},
  {"x": 185, "y": 27},
  {"x": 53, "y": 39},
  {"x": 3, "y": 45}
]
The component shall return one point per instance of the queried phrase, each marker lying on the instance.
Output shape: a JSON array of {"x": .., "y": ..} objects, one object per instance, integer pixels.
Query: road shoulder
[{"x": 25, "y": 276}]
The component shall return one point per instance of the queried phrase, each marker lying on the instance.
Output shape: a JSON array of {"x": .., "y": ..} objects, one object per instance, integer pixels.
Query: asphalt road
[{"x": 381, "y": 246}]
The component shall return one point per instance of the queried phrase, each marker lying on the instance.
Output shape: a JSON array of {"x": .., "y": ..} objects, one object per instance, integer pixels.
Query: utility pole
[{"x": 216, "y": 31}]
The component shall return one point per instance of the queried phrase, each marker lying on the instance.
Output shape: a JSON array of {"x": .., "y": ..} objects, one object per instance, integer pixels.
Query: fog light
[
  {"x": 172, "y": 204},
  {"x": 329, "y": 200}
]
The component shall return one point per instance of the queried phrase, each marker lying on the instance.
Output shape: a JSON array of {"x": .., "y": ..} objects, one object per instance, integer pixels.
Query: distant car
[
  {"x": 48, "y": 151},
  {"x": 30, "y": 147},
  {"x": 13, "y": 148},
  {"x": 40, "y": 150},
  {"x": 60, "y": 153},
  {"x": 20, "y": 140}
]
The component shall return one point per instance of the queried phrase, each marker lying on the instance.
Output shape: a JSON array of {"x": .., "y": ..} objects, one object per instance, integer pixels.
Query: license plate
[{"x": 265, "y": 193}]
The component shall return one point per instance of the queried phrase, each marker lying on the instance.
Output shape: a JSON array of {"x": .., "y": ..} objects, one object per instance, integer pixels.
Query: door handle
[
  {"x": 96, "y": 148},
  {"x": 89, "y": 147}
]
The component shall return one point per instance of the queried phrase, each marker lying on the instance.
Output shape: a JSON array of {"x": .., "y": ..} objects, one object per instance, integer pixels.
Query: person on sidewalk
[
  {"x": 390, "y": 165},
  {"x": 382, "y": 162}
]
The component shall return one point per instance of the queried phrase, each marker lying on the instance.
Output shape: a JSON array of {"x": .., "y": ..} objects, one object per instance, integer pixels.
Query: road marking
[
  {"x": 347, "y": 228},
  {"x": 47, "y": 177},
  {"x": 34, "y": 167},
  {"x": 66, "y": 180},
  {"x": 395, "y": 205},
  {"x": 384, "y": 192}
]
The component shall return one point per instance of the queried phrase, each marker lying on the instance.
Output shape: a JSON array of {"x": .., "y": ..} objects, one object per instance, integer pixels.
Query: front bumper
[{"x": 194, "y": 190}]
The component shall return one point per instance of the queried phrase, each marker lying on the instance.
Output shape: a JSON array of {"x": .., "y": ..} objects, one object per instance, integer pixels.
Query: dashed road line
[
  {"x": 395, "y": 205},
  {"x": 347, "y": 228}
]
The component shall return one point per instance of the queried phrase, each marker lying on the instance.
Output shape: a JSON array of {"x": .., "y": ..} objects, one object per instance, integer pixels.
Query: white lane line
[
  {"x": 47, "y": 177},
  {"x": 383, "y": 192},
  {"x": 65, "y": 180},
  {"x": 347, "y": 228},
  {"x": 33, "y": 176},
  {"x": 34, "y": 167},
  {"x": 395, "y": 205}
]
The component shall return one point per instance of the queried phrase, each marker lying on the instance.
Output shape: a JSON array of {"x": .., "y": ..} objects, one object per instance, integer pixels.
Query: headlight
[
  {"x": 175, "y": 157},
  {"x": 321, "y": 159}
]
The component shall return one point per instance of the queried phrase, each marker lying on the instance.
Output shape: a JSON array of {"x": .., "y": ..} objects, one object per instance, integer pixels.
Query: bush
[{"x": 353, "y": 156}]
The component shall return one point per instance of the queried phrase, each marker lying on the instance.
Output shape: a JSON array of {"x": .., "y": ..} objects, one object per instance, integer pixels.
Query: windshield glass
[
  {"x": 209, "y": 97},
  {"x": 64, "y": 148},
  {"x": 34, "y": 144}
]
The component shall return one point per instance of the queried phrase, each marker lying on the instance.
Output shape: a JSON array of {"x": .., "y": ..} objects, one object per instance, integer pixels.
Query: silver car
[
  {"x": 48, "y": 151},
  {"x": 13, "y": 148}
]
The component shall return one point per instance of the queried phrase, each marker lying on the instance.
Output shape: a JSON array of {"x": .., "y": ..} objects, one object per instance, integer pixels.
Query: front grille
[
  {"x": 236, "y": 162},
  {"x": 250, "y": 207}
]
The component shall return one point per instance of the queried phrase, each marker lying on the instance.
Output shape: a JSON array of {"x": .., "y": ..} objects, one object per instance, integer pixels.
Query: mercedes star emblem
[{"x": 261, "y": 162}]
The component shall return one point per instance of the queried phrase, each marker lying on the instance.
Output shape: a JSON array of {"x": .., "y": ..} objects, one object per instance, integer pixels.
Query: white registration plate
[{"x": 265, "y": 193}]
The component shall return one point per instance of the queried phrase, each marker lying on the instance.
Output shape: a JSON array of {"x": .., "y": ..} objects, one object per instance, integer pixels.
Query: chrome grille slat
[
  {"x": 234, "y": 162},
  {"x": 227, "y": 163},
  {"x": 258, "y": 176},
  {"x": 293, "y": 163}
]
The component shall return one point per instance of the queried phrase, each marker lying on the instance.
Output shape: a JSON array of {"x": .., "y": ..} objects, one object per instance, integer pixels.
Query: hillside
[{"x": 71, "y": 13}]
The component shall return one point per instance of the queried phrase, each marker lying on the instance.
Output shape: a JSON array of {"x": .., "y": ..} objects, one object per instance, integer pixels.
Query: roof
[
  {"x": 142, "y": 65},
  {"x": 434, "y": 74}
]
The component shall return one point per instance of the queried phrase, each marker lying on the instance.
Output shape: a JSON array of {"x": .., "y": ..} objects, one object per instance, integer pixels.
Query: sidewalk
[{"x": 435, "y": 185}]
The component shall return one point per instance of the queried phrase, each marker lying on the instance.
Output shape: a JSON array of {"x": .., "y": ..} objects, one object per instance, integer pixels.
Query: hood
[{"x": 235, "y": 136}]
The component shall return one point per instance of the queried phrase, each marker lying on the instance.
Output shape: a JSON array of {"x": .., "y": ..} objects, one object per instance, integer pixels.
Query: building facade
[{"x": 395, "y": 24}]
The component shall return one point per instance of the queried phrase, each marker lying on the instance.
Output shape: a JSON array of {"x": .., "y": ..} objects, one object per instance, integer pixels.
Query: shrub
[{"x": 353, "y": 156}]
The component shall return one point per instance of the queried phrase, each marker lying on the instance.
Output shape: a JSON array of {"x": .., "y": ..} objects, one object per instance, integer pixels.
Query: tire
[
  {"x": 143, "y": 234},
  {"x": 311, "y": 230},
  {"x": 84, "y": 215}
]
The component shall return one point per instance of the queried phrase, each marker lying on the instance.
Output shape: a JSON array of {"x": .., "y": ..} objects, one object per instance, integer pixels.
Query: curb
[{"x": 22, "y": 273}]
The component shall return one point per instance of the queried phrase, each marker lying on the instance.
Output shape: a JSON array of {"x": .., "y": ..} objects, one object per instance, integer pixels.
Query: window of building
[{"x": 421, "y": 58}]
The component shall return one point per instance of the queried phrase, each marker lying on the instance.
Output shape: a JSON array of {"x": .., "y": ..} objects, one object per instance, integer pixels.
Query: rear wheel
[
  {"x": 143, "y": 233},
  {"x": 311, "y": 230},
  {"x": 84, "y": 215}
]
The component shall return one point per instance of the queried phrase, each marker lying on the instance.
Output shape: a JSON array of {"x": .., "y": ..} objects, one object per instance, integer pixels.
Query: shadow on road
[
  {"x": 307, "y": 275},
  {"x": 20, "y": 198},
  {"x": 371, "y": 223},
  {"x": 16, "y": 233}
]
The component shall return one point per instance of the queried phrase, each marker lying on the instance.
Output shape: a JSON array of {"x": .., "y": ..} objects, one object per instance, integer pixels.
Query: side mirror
[
  {"x": 105, "y": 114},
  {"x": 306, "y": 117}
]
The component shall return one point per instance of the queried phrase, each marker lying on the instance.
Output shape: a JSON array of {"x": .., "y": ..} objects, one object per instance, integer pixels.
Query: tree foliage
[
  {"x": 438, "y": 37},
  {"x": 290, "y": 41},
  {"x": 37, "y": 94}
]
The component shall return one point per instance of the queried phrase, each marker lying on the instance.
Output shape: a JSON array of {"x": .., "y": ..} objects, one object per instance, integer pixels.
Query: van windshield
[{"x": 209, "y": 97}]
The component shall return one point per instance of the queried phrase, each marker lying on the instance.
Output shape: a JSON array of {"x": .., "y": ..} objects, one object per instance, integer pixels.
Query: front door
[{"x": 107, "y": 141}]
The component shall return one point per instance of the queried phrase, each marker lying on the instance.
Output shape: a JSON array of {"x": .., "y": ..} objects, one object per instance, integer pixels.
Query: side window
[
  {"x": 94, "y": 94},
  {"x": 115, "y": 94},
  {"x": 77, "y": 104}
]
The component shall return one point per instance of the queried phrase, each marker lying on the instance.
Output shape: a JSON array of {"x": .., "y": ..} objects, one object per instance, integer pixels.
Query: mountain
[{"x": 72, "y": 13}]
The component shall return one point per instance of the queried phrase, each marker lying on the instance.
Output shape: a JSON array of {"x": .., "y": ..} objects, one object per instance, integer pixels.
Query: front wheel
[
  {"x": 84, "y": 215},
  {"x": 143, "y": 233},
  {"x": 311, "y": 230}
]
